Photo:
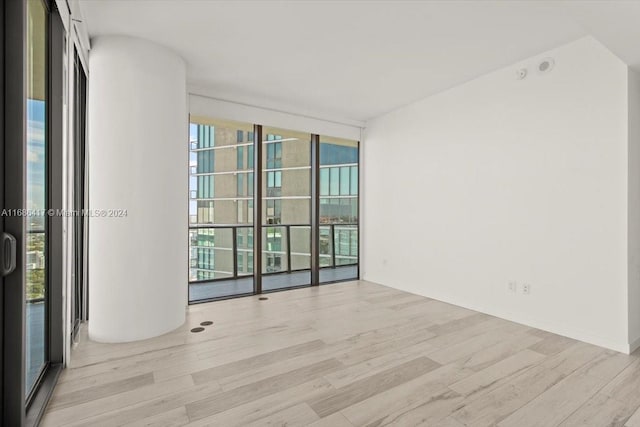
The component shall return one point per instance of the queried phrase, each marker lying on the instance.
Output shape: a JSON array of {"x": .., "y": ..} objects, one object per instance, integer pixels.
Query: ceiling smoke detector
[
  {"x": 521, "y": 73},
  {"x": 545, "y": 65}
]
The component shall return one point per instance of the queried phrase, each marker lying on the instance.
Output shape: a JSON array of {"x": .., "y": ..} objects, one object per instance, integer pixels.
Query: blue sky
[{"x": 36, "y": 154}]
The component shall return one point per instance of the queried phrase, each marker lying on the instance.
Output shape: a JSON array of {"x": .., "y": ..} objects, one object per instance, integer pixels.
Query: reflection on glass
[
  {"x": 36, "y": 190},
  {"x": 220, "y": 207},
  {"x": 274, "y": 255},
  {"x": 346, "y": 240},
  {"x": 211, "y": 253},
  {"x": 244, "y": 243},
  {"x": 338, "y": 209},
  {"x": 286, "y": 214},
  {"x": 326, "y": 246},
  {"x": 300, "y": 244}
]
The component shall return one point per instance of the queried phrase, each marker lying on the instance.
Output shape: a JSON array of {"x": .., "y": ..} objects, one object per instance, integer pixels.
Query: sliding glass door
[
  {"x": 31, "y": 239},
  {"x": 269, "y": 209},
  {"x": 37, "y": 187}
]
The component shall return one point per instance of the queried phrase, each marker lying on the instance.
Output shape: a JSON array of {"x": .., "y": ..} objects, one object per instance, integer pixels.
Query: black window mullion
[
  {"x": 315, "y": 210},
  {"x": 257, "y": 208}
]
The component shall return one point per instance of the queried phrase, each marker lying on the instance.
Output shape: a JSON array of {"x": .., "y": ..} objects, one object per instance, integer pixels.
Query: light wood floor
[{"x": 352, "y": 354}]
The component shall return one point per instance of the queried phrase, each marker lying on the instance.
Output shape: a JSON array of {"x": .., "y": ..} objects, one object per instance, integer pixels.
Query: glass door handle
[{"x": 8, "y": 254}]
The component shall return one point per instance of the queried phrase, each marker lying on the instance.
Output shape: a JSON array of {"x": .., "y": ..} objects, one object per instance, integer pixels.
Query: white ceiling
[{"x": 355, "y": 60}]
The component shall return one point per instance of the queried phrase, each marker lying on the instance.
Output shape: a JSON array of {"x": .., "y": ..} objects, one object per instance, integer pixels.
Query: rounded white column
[{"x": 138, "y": 162}]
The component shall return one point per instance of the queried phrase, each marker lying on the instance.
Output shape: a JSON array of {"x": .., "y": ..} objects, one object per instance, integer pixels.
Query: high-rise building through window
[{"x": 222, "y": 199}]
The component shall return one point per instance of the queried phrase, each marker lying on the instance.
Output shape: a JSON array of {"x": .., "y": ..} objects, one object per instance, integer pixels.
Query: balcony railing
[
  {"x": 35, "y": 268},
  {"x": 286, "y": 249}
]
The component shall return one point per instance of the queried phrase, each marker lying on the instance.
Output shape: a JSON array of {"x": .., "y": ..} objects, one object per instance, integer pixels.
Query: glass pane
[
  {"x": 324, "y": 182},
  {"x": 220, "y": 172},
  {"x": 211, "y": 253},
  {"x": 300, "y": 248},
  {"x": 36, "y": 190},
  {"x": 326, "y": 246},
  {"x": 346, "y": 238},
  {"x": 220, "y": 193},
  {"x": 354, "y": 180},
  {"x": 338, "y": 209},
  {"x": 244, "y": 243},
  {"x": 287, "y": 190},
  {"x": 240, "y": 157},
  {"x": 274, "y": 253},
  {"x": 337, "y": 151},
  {"x": 349, "y": 210},
  {"x": 250, "y": 155},
  {"x": 242, "y": 189},
  {"x": 334, "y": 181},
  {"x": 344, "y": 181}
]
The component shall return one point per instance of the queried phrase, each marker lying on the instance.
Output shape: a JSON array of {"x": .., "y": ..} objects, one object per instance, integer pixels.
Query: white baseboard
[
  {"x": 545, "y": 325},
  {"x": 634, "y": 345}
]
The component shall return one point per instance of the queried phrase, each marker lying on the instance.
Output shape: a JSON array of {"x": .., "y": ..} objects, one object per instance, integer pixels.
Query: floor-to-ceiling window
[
  {"x": 286, "y": 217},
  {"x": 227, "y": 180},
  {"x": 220, "y": 208},
  {"x": 338, "y": 209}
]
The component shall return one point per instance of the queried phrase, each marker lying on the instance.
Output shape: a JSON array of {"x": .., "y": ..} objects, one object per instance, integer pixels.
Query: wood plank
[
  {"x": 422, "y": 390},
  {"x": 334, "y": 420},
  {"x": 491, "y": 407},
  {"x": 430, "y": 412},
  {"x": 257, "y": 361},
  {"x": 65, "y": 400},
  {"x": 468, "y": 348},
  {"x": 498, "y": 351},
  {"x": 68, "y": 415},
  {"x": 172, "y": 418},
  {"x": 367, "y": 387},
  {"x": 557, "y": 403},
  {"x": 553, "y": 344},
  {"x": 456, "y": 325},
  {"x": 298, "y": 415},
  {"x": 491, "y": 376},
  {"x": 240, "y": 395},
  {"x": 265, "y": 406},
  {"x": 601, "y": 410},
  {"x": 369, "y": 367},
  {"x": 626, "y": 386},
  {"x": 634, "y": 420},
  {"x": 448, "y": 422},
  {"x": 130, "y": 412}
]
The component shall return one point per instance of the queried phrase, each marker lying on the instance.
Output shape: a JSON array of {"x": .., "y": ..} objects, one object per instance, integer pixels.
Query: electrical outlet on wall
[
  {"x": 512, "y": 287},
  {"x": 526, "y": 289}
]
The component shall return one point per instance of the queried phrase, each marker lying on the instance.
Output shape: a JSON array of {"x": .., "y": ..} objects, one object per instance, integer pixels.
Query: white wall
[
  {"x": 503, "y": 179},
  {"x": 137, "y": 136},
  {"x": 634, "y": 209}
]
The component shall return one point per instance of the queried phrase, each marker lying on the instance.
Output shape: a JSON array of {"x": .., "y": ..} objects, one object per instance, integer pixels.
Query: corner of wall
[
  {"x": 633, "y": 217},
  {"x": 472, "y": 193}
]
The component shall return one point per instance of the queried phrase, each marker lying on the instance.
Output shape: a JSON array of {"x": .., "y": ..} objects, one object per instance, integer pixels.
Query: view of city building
[{"x": 222, "y": 199}]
